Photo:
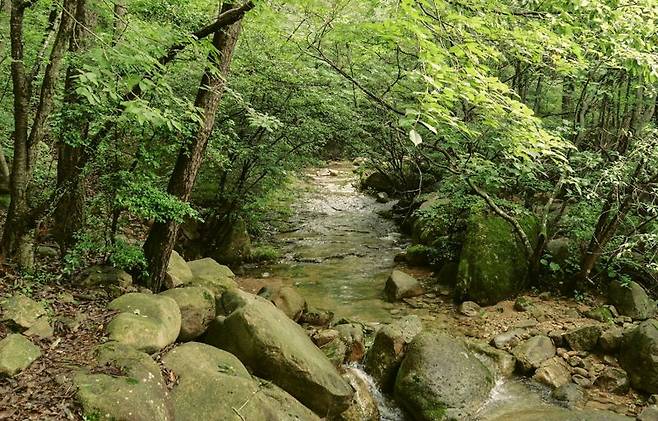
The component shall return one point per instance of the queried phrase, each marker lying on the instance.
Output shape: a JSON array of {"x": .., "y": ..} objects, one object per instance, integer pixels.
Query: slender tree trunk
[
  {"x": 162, "y": 236},
  {"x": 4, "y": 172},
  {"x": 69, "y": 213}
]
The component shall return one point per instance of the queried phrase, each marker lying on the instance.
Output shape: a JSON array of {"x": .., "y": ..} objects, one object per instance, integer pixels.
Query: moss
[{"x": 264, "y": 253}]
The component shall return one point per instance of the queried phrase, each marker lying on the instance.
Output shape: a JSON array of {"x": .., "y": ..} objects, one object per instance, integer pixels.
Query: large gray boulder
[
  {"x": 178, "y": 271},
  {"x": 139, "y": 393},
  {"x": 532, "y": 352},
  {"x": 214, "y": 385},
  {"x": 363, "y": 406},
  {"x": 400, "y": 285},
  {"x": 583, "y": 338},
  {"x": 197, "y": 307},
  {"x": 21, "y": 311},
  {"x": 639, "y": 356},
  {"x": 630, "y": 299},
  {"x": 385, "y": 355},
  {"x": 440, "y": 379},
  {"x": 286, "y": 299},
  {"x": 146, "y": 322},
  {"x": 207, "y": 272},
  {"x": 16, "y": 354},
  {"x": 278, "y": 349}
]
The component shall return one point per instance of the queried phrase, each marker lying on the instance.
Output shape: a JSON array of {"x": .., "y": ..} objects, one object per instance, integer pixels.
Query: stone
[
  {"x": 377, "y": 181},
  {"x": 178, "y": 271},
  {"x": 214, "y": 385},
  {"x": 352, "y": 335},
  {"x": 534, "y": 351},
  {"x": 492, "y": 263},
  {"x": 234, "y": 299},
  {"x": 277, "y": 349},
  {"x": 286, "y": 299},
  {"x": 147, "y": 322},
  {"x": 316, "y": 317},
  {"x": 387, "y": 351},
  {"x": 553, "y": 372},
  {"x": 40, "y": 329},
  {"x": 562, "y": 414},
  {"x": 498, "y": 361},
  {"x": 400, "y": 285},
  {"x": 207, "y": 272},
  {"x": 16, "y": 354},
  {"x": 440, "y": 378},
  {"x": 469, "y": 309},
  {"x": 583, "y": 338},
  {"x": 631, "y": 300},
  {"x": 505, "y": 339},
  {"x": 522, "y": 304},
  {"x": 363, "y": 406},
  {"x": 107, "y": 278},
  {"x": 324, "y": 336},
  {"x": 47, "y": 251},
  {"x": 581, "y": 380},
  {"x": 569, "y": 395},
  {"x": 197, "y": 308},
  {"x": 610, "y": 340},
  {"x": 601, "y": 313},
  {"x": 638, "y": 355},
  {"x": 336, "y": 351},
  {"x": 233, "y": 246},
  {"x": 138, "y": 393},
  {"x": 382, "y": 197},
  {"x": 613, "y": 380},
  {"x": 22, "y": 311},
  {"x": 650, "y": 413}
]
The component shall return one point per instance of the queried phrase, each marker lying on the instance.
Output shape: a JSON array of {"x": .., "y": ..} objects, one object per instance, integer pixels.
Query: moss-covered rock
[
  {"x": 400, "y": 285},
  {"x": 363, "y": 406},
  {"x": 492, "y": 263},
  {"x": 286, "y": 299},
  {"x": 16, "y": 354},
  {"x": 531, "y": 353},
  {"x": 639, "y": 356},
  {"x": 22, "y": 311},
  {"x": 584, "y": 338},
  {"x": 138, "y": 394},
  {"x": 234, "y": 246},
  {"x": 147, "y": 322},
  {"x": 178, "y": 271},
  {"x": 630, "y": 299},
  {"x": 197, "y": 307},
  {"x": 441, "y": 379},
  {"x": 207, "y": 272}
]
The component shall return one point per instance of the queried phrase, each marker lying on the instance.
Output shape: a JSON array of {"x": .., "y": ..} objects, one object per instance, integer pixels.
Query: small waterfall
[{"x": 388, "y": 410}]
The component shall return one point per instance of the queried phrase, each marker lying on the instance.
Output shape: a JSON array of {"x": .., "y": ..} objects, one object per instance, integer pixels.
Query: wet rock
[
  {"x": 352, "y": 335},
  {"x": 363, "y": 406},
  {"x": 139, "y": 393},
  {"x": 469, "y": 309},
  {"x": 553, "y": 372},
  {"x": 21, "y": 311},
  {"x": 277, "y": 349},
  {"x": 440, "y": 378},
  {"x": 583, "y": 338},
  {"x": 315, "y": 317},
  {"x": 610, "y": 340},
  {"x": 601, "y": 313},
  {"x": 492, "y": 262},
  {"x": 214, "y": 385},
  {"x": 613, "y": 380},
  {"x": 506, "y": 339},
  {"x": 498, "y": 361},
  {"x": 385, "y": 355},
  {"x": 522, "y": 304},
  {"x": 569, "y": 395},
  {"x": 630, "y": 299},
  {"x": 16, "y": 354},
  {"x": 534, "y": 351},
  {"x": 638, "y": 355},
  {"x": 650, "y": 413},
  {"x": 178, "y": 272},
  {"x": 207, "y": 272},
  {"x": 197, "y": 307},
  {"x": 335, "y": 350},
  {"x": 400, "y": 285},
  {"x": 286, "y": 299},
  {"x": 324, "y": 336},
  {"x": 147, "y": 322}
]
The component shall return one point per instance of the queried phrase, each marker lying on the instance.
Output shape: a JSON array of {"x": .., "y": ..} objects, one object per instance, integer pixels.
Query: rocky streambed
[{"x": 336, "y": 330}]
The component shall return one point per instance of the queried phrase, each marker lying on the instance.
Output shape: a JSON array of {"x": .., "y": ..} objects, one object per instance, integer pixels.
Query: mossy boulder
[
  {"x": 23, "y": 312},
  {"x": 137, "y": 394},
  {"x": 440, "y": 379},
  {"x": 492, "y": 263},
  {"x": 178, "y": 271},
  {"x": 286, "y": 299},
  {"x": 197, "y": 308},
  {"x": 16, "y": 354},
  {"x": 387, "y": 351},
  {"x": 363, "y": 406},
  {"x": 278, "y": 349},
  {"x": 532, "y": 352},
  {"x": 207, "y": 272},
  {"x": 399, "y": 285},
  {"x": 376, "y": 181},
  {"x": 630, "y": 299},
  {"x": 583, "y": 338},
  {"x": 214, "y": 385},
  {"x": 638, "y": 355},
  {"x": 233, "y": 245},
  {"x": 147, "y": 322},
  {"x": 108, "y": 279}
]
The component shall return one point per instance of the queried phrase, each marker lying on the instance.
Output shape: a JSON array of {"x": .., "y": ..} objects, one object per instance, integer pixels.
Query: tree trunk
[
  {"x": 69, "y": 213},
  {"x": 162, "y": 236}
]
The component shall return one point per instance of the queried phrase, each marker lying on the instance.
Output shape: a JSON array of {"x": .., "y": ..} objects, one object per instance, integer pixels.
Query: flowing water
[{"x": 338, "y": 252}]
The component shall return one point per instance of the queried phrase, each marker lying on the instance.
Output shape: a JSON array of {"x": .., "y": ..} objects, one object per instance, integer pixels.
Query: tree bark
[{"x": 162, "y": 236}]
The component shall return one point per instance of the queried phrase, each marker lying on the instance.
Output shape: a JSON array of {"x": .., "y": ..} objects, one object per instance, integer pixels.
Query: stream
[{"x": 339, "y": 251}]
